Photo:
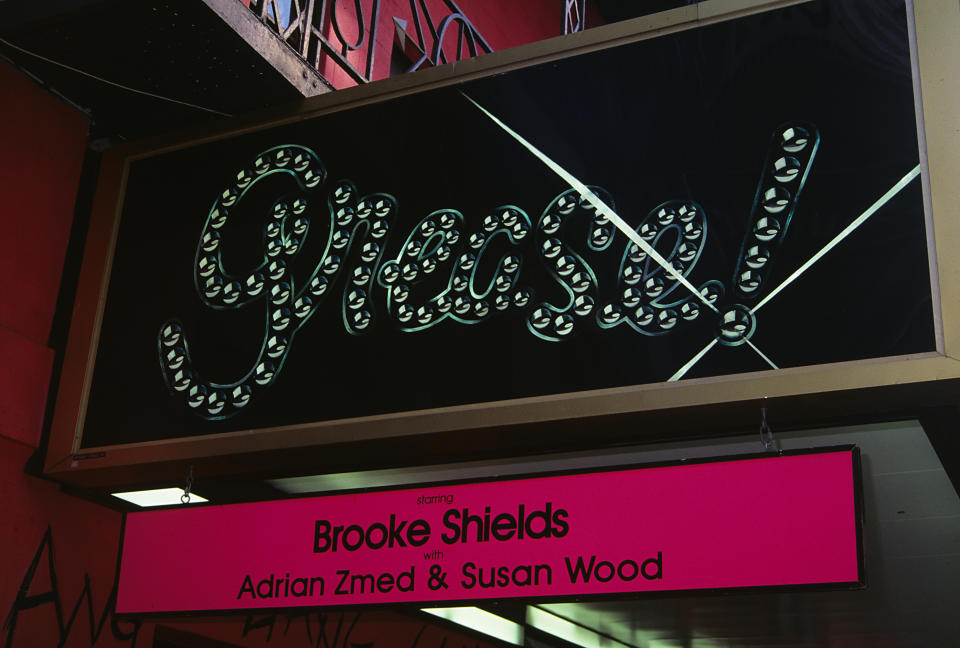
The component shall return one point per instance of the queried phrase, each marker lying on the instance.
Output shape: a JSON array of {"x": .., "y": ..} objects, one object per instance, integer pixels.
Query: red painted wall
[
  {"x": 40, "y": 161},
  {"x": 59, "y": 553}
]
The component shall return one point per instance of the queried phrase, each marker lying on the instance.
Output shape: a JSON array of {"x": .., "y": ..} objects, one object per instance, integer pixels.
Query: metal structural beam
[{"x": 271, "y": 46}]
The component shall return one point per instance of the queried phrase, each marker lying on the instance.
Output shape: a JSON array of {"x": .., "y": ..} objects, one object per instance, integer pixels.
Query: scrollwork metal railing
[
  {"x": 574, "y": 16},
  {"x": 316, "y": 30}
]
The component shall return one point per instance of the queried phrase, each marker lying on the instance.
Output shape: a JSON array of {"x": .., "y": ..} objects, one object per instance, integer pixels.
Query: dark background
[{"x": 686, "y": 116}]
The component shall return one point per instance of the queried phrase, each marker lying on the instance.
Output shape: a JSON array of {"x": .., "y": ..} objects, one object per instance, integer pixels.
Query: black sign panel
[{"x": 431, "y": 251}]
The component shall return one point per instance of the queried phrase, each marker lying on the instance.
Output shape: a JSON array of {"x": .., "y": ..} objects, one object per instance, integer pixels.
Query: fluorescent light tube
[
  {"x": 158, "y": 497},
  {"x": 566, "y": 630},
  {"x": 481, "y": 621}
]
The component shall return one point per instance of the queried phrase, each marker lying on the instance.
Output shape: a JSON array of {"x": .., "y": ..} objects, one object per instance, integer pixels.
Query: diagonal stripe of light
[
  {"x": 681, "y": 372},
  {"x": 857, "y": 222},
  {"x": 598, "y": 204},
  {"x": 760, "y": 353}
]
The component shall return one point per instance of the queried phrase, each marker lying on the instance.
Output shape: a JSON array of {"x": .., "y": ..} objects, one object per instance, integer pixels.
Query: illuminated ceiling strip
[
  {"x": 482, "y": 621},
  {"x": 894, "y": 190},
  {"x": 158, "y": 497},
  {"x": 600, "y": 206},
  {"x": 694, "y": 360},
  {"x": 568, "y": 631},
  {"x": 760, "y": 353}
]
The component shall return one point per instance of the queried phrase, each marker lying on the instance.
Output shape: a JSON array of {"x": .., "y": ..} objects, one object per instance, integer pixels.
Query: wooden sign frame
[{"x": 701, "y": 406}]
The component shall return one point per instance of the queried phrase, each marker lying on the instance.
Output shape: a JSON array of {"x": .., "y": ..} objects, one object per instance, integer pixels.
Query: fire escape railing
[
  {"x": 314, "y": 28},
  {"x": 574, "y": 16}
]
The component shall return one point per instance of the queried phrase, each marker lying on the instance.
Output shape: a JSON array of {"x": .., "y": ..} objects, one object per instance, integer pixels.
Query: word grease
[{"x": 480, "y": 270}]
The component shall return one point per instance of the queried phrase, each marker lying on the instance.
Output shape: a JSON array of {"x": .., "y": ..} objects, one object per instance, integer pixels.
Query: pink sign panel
[{"x": 770, "y": 521}]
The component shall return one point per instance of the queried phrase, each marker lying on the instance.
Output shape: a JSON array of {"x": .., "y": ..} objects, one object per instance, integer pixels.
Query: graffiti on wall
[
  {"x": 346, "y": 630},
  {"x": 329, "y": 630},
  {"x": 40, "y": 589},
  {"x": 51, "y": 598}
]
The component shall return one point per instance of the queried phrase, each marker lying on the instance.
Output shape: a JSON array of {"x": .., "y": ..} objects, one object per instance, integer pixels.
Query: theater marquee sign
[
  {"x": 553, "y": 537},
  {"x": 719, "y": 213}
]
